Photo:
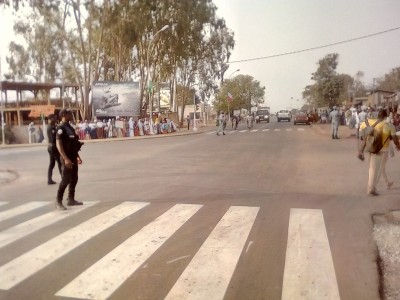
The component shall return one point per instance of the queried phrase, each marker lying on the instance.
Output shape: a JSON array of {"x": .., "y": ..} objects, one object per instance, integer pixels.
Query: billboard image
[{"x": 114, "y": 98}]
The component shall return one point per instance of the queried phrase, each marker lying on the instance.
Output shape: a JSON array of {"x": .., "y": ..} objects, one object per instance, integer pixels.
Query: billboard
[{"x": 114, "y": 98}]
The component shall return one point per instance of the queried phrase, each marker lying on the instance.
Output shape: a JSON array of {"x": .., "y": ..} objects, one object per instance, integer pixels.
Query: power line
[{"x": 318, "y": 47}]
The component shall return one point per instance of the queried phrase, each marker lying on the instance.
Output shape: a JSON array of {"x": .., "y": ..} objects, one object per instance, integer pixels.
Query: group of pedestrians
[
  {"x": 121, "y": 127},
  {"x": 376, "y": 135}
]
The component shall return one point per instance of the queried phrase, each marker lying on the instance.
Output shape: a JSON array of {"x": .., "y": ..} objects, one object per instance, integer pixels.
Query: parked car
[
  {"x": 262, "y": 115},
  {"x": 301, "y": 117},
  {"x": 284, "y": 115}
]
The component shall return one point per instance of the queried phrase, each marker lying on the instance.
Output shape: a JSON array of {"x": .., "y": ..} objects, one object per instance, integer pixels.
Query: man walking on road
[
  {"x": 334, "y": 116},
  {"x": 221, "y": 124},
  {"x": 188, "y": 121},
  {"x": 377, "y": 160},
  {"x": 68, "y": 145}
]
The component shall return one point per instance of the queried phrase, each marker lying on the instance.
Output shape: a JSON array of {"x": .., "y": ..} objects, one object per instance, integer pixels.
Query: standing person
[
  {"x": 68, "y": 145},
  {"x": 376, "y": 160},
  {"x": 221, "y": 123},
  {"x": 334, "y": 116},
  {"x": 31, "y": 133},
  {"x": 361, "y": 117},
  {"x": 52, "y": 148},
  {"x": 188, "y": 121},
  {"x": 131, "y": 126},
  {"x": 249, "y": 121}
]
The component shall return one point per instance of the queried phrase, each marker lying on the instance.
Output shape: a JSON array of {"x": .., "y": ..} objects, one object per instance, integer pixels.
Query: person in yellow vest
[{"x": 379, "y": 159}]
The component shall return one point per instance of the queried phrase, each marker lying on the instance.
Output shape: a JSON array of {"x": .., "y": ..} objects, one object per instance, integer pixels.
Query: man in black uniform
[
  {"x": 52, "y": 148},
  {"x": 68, "y": 145}
]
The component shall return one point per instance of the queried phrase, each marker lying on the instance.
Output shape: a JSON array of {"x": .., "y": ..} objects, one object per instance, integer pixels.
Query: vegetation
[
  {"x": 85, "y": 41},
  {"x": 245, "y": 91},
  {"x": 390, "y": 81},
  {"x": 331, "y": 88}
]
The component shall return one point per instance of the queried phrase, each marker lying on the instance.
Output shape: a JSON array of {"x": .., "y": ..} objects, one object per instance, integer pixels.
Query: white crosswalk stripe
[
  {"x": 103, "y": 278},
  {"x": 24, "y": 229},
  {"x": 205, "y": 276},
  {"x": 21, "y": 209},
  {"x": 261, "y": 130},
  {"x": 308, "y": 256},
  {"x": 3, "y": 203},
  {"x": 209, "y": 273},
  {"x": 31, "y": 262}
]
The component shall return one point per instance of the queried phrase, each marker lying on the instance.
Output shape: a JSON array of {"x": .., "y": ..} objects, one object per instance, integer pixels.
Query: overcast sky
[{"x": 270, "y": 27}]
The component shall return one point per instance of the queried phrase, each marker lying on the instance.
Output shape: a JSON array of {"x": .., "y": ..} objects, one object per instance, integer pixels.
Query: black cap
[{"x": 65, "y": 111}]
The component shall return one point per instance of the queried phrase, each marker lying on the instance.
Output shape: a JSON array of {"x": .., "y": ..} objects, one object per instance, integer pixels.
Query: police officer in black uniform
[
  {"x": 52, "y": 148},
  {"x": 68, "y": 145}
]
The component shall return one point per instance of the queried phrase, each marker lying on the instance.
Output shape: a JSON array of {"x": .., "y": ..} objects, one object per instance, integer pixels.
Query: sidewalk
[{"x": 181, "y": 132}]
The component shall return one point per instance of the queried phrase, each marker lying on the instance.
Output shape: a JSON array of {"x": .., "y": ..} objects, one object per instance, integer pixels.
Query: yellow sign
[{"x": 39, "y": 110}]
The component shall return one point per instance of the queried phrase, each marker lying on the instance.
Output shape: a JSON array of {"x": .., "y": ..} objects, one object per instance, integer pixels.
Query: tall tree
[
  {"x": 240, "y": 92},
  {"x": 121, "y": 40},
  {"x": 390, "y": 81}
]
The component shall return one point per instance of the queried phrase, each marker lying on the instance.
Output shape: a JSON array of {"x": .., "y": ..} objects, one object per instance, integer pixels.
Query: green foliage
[
  {"x": 246, "y": 92},
  {"x": 120, "y": 39},
  {"x": 390, "y": 81}
]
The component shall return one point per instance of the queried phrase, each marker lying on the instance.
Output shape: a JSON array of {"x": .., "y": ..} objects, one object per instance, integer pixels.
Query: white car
[{"x": 284, "y": 115}]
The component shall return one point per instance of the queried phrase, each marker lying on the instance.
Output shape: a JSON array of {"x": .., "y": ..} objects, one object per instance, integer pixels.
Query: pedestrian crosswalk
[
  {"x": 207, "y": 274},
  {"x": 260, "y": 130}
]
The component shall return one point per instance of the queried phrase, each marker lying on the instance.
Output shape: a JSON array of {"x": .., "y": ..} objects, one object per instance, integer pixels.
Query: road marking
[
  {"x": 177, "y": 259},
  {"x": 211, "y": 132},
  {"x": 21, "y": 209},
  {"x": 243, "y": 130},
  {"x": 21, "y": 230},
  {"x": 208, "y": 274},
  {"x": 249, "y": 245},
  {"x": 277, "y": 129},
  {"x": 3, "y": 203},
  {"x": 254, "y": 130},
  {"x": 300, "y": 129},
  {"x": 231, "y": 131},
  {"x": 105, "y": 276},
  {"x": 266, "y": 129},
  {"x": 33, "y": 261},
  {"x": 289, "y": 129},
  {"x": 309, "y": 271}
]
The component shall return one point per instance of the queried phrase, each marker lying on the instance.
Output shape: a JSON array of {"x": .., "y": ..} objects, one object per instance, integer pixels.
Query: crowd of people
[{"x": 122, "y": 127}]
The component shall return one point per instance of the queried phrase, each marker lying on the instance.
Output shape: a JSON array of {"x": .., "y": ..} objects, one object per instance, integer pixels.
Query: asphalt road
[{"x": 276, "y": 212}]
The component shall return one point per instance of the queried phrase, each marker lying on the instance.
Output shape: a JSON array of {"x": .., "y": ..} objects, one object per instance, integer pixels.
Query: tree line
[
  {"x": 331, "y": 88},
  {"x": 81, "y": 41}
]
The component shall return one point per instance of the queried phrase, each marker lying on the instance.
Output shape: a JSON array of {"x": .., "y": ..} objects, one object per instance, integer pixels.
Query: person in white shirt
[
  {"x": 131, "y": 127},
  {"x": 221, "y": 119}
]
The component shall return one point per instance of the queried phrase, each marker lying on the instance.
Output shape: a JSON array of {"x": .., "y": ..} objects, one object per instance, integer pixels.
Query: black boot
[
  {"x": 71, "y": 199},
  {"x": 336, "y": 137},
  {"x": 73, "y": 202}
]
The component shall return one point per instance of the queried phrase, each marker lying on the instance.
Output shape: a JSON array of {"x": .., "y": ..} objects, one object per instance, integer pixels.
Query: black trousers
[
  {"x": 54, "y": 157},
  {"x": 69, "y": 177}
]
